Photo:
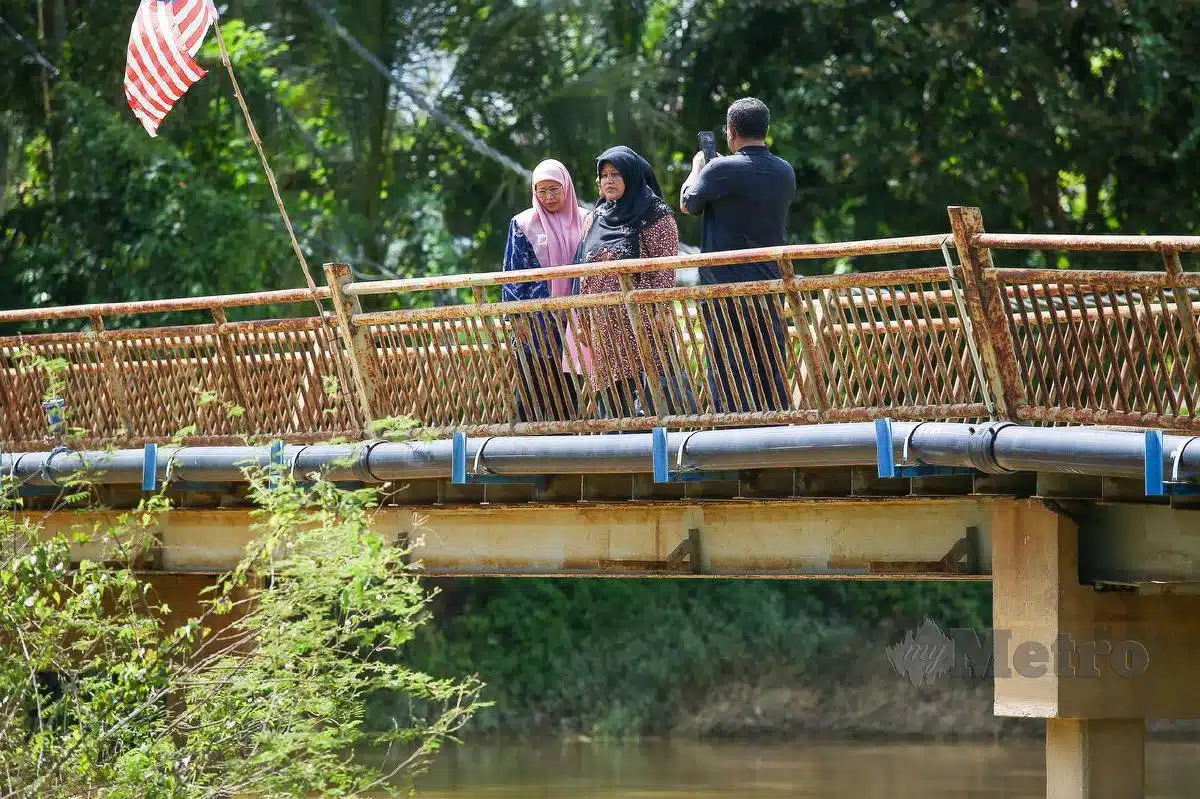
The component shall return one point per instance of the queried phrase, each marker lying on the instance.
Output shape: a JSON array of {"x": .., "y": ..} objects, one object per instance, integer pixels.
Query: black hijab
[{"x": 617, "y": 226}]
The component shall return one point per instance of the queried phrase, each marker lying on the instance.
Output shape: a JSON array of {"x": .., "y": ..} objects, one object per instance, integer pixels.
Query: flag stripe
[
  {"x": 194, "y": 19},
  {"x": 151, "y": 106},
  {"x": 170, "y": 43},
  {"x": 154, "y": 68},
  {"x": 157, "y": 97},
  {"x": 159, "y": 65},
  {"x": 148, "y": 101},
  {"x": 140, "y": 68},
  {"x": 159, "y": 46},
  {"x": 154, "y": 77},
  {"x": 135, "y": 81}
]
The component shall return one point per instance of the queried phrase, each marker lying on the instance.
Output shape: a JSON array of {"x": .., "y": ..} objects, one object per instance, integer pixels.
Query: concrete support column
[
  {"x": 1095, "y": 664},
  {"x": 1095, "y": 758}
]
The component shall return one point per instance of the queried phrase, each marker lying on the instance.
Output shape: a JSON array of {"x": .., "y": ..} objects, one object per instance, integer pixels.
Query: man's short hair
[{"x": 749, "y": 117}]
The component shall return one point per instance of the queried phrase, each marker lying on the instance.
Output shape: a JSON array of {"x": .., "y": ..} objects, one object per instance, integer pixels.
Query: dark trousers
[
  {"x": 632, "y": 397},
  {"x": 544, "y": 392},
  {"x": 746, "y": 354}
]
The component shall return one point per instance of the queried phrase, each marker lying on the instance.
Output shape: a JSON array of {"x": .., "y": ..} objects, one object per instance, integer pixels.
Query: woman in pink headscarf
[{"x": 544, "y": 235}]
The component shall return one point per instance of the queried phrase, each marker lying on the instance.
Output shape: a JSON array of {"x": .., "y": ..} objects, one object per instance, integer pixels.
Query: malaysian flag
[{"x": 159, "y": 66}]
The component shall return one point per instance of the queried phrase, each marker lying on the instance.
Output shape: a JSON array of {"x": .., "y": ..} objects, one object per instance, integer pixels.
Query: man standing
[{"x": 743, "y": 198}]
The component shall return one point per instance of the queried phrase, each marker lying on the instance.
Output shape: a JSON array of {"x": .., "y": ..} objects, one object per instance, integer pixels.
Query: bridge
[{"x": 930, "y": 416}]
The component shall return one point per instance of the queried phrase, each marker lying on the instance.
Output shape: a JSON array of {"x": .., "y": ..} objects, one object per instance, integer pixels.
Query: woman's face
[
  {"x": 612, "y": 185},
  {"x": 550, "y": 195}
]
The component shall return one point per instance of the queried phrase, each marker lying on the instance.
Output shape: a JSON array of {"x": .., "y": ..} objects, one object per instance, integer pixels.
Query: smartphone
[{"x": 708, "y": 144}]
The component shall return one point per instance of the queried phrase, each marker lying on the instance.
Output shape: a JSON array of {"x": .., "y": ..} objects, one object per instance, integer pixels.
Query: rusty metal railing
[
  {"x": 217, "y": 382},
  {"x": 1104, "y": 346},
  {"x": 959, "y": 339},
  {"x": 793, "y": 350}
]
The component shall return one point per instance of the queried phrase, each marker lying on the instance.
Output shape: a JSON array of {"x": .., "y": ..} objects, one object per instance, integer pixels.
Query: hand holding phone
[{"x": 708, "y": 144}]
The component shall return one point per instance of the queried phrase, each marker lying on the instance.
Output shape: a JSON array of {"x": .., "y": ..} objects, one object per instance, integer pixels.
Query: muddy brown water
[{"x": 662, "y": 770}]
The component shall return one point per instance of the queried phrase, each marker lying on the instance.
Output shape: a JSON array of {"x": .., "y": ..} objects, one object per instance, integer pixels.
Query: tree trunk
[
  {"x": 371, "y": 172},
  {"x": 41, "y": 34},
  {"x": 52, "y": 33},
  {"x": 4, "y": 144}
]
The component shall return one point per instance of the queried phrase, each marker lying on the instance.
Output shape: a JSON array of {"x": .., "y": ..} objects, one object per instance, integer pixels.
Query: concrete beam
[
  {"x": 1066, "y": 650},
  {"x": 778, "y": 538},
  {"x": 849, "y": 538}
]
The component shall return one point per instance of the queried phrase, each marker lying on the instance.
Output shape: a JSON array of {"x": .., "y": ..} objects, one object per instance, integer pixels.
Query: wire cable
[
  {"x": 30, "y": 47},
  {"x": 421, "y": 102}
]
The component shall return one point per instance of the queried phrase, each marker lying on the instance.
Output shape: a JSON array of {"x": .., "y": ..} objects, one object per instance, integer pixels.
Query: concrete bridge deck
[{"x": 786, "y": 502}]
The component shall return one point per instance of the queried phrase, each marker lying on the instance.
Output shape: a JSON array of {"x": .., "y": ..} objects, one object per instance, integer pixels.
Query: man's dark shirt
[{"x": 744, "y": 198}]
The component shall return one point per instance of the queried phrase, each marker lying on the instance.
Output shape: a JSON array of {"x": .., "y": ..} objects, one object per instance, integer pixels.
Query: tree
[
  {"x": 266, "y": 692},
  {"x": 1064, "y": 117},
  {"x": 1051, "y": 117}
]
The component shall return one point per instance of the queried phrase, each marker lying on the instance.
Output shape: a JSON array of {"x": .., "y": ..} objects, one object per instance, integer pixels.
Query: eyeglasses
[{"x": 548, "y": 194}]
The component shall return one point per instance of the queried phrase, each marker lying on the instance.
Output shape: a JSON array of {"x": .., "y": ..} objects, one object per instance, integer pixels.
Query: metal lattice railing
[
  {"x": 217, "y": 382},
  {"x": 766, "y": 352},
  {"x": 956, "y": 341}
]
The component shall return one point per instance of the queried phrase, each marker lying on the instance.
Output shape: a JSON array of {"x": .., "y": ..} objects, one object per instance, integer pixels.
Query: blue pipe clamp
[
  {"x": 885, "y": 456},
  {"x": 150, "y": 468},
  {"x": 275, "y": 469},
  {"x": 663, "y": 473},
  {"x": 1156, "y": 484},
  {"x": 479, "y": 474}
]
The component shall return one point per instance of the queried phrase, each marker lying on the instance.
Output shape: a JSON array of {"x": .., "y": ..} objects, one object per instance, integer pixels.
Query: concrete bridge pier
[
  {"x": 1096, "y": 758},
  {"x": 1096, "y": 664}
]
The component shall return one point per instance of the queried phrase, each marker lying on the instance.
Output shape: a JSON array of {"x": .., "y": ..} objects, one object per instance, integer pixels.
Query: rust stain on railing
[
  {"x": 1041, "y": 241},
  {"x": 961, "y": 341},
  {"x": 280, "y": 297},
  {"x": 928, "y": 243}
]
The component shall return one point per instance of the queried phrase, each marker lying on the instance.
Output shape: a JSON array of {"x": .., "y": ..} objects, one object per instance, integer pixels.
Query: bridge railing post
[
  {"x": 118, "y": 390},
  {"x": 359, "y": 352},
  {"x": 988, "y": 312},
  {"x": 227, "y": 357},
  {"x": 1183, "y": 309},
  {"x": 813, "y": 367}
]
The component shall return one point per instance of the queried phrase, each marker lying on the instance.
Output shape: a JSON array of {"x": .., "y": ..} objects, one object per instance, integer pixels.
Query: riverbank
[
  {"x": 709, "y": 660},
  {"x": 880, "y": 708},
  {"x": 877, "y": 708}
]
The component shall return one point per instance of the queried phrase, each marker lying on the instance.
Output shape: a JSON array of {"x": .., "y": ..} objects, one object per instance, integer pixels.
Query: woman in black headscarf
[{"x": 631, "y": 221}]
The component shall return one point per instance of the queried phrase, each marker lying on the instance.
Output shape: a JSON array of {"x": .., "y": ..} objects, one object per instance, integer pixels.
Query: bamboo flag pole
[{"x": 237, "y": 92}]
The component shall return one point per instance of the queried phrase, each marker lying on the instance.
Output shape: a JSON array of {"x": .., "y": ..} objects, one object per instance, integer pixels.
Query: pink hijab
[{"x": 554, "y": 236}]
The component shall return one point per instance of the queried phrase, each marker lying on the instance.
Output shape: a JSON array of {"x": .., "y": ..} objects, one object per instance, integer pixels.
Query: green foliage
[
  {"x": 266, "y": 692},
  {"x": 1060, "y": 117},
  {"x": 393, "y": 427},
  {"x": 612, "y": 658},
  {"x": 134, "y": 220}
]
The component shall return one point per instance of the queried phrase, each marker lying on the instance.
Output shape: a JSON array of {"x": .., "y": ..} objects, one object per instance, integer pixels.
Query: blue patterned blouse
[
  {"x": 519, "y": 254},
  {"x": 543, "y": 335}
]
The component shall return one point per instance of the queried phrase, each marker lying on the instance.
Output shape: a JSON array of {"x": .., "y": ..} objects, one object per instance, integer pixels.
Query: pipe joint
[
  {"x": 47, "y": 471},
  {"x": 362, "y": 466},
  {"x": 981, "y": 447}
]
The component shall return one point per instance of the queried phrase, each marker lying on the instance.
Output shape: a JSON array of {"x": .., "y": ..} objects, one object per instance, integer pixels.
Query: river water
[{"x": 665, "y": 770}]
